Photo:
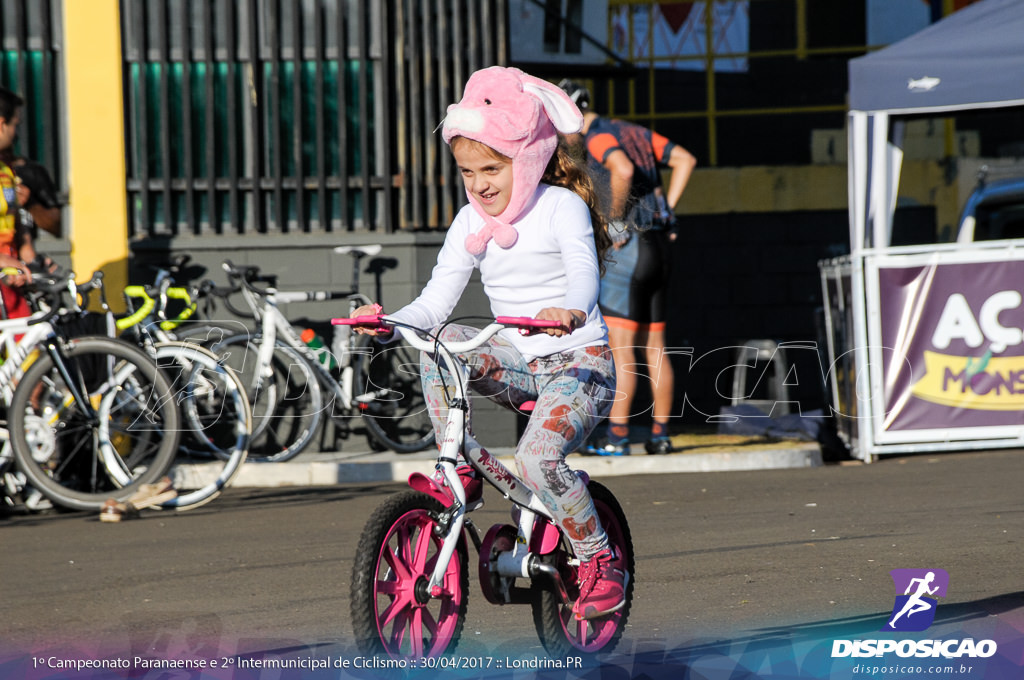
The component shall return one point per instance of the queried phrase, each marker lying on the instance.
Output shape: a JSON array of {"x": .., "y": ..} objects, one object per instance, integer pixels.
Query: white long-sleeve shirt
[{"x": 552, "y": 264}]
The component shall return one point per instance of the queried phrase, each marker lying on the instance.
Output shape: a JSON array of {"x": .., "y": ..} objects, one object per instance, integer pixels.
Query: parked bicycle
[
  {"x": 88, "y": 418},
  {"x": 216, "y": 417},
  {"x": 195, "y": 305},
  {"x": 411, "y": 574},
  {"x": 287, "y": 382}
]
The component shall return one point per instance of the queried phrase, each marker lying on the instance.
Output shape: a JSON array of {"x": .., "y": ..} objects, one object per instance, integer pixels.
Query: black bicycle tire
[
  {"x": 156, "y": 388},
  {"x": 545, "y": 603},
  {"x": 267, "y": 445},
  {"x": 383, "y": 427},
  {"x": 363, "y": 595}
]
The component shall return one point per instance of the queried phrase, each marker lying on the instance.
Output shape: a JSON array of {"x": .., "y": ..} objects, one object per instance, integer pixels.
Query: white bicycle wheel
[
  {"x": 285, "y": 396},
  {"x": 123, "y": 434},
  {"x": 216, "y": 422}
]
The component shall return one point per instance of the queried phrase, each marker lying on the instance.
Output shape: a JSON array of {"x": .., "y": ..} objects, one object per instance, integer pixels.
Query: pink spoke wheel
[
  {"x": 393, "y": 610},
  {"x": 556, "y": 624}
]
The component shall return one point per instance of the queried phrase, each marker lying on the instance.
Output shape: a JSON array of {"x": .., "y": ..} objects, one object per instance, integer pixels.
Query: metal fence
[
  {"x": 788, "y": 43},
  {"x": 31, "y": 65},
  {"x": 296, "y": 116}
]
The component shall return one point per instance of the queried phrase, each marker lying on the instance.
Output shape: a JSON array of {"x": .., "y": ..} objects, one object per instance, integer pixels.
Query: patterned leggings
[{"x": 573, "y": 390}]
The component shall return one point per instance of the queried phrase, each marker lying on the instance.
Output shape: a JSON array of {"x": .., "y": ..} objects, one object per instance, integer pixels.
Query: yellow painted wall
[
  {"x": 97, "y": 208},
  {"x": 765, "y": 189},
  {"x": 812, "y": 187}
]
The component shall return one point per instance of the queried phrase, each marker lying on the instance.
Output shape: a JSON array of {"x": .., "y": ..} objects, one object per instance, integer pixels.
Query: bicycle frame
[
  {"x": 18, "y": 351},
  {"x": 37, "y": 333},
  {"x": 453, "y": 496},
  {"x": 18, "y": 354},
  {"x": 274, "y": 326}
]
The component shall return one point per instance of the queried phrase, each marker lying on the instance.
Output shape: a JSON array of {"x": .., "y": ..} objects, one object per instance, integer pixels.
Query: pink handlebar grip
[
  {"x": 527, "y": 322},
  {"x": 364, "y": 320},
  {"x": 373, "y": 322}
]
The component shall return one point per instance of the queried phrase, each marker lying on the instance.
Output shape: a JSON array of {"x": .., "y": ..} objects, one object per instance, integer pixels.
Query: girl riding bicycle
[{"x": 533, "y": 230}]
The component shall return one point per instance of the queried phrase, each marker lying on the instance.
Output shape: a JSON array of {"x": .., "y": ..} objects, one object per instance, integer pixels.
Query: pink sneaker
[{"x": 602, "y": 590}]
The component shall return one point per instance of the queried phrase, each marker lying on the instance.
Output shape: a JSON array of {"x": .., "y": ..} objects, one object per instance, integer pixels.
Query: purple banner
[{"x": 952, "y": 345}]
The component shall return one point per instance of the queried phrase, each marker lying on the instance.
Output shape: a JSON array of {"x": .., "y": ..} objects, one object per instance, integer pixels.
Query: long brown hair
[{"x": 565, "y": 170}]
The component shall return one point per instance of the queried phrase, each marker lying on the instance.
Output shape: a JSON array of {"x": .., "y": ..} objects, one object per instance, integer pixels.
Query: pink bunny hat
[{"x": 518, "y": 116}]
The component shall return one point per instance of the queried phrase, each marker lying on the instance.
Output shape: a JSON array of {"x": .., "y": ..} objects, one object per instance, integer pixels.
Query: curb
[{"x": 326, "y": 470}]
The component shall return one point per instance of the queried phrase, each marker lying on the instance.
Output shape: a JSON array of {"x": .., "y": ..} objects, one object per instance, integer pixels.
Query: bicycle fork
[{"x": 455, "y": 515}]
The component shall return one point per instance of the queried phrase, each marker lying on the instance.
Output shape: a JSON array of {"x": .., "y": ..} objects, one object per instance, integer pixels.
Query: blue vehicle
[{"x": 994, "y": 211}]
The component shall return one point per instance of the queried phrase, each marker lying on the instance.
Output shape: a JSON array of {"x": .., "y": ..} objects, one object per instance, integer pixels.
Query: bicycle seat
[
  {"x": 359, "y": 251},
  {"x": 527, "y": 406}
]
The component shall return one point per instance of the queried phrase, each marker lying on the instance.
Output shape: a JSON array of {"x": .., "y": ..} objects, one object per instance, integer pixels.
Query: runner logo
[{"x": 917, "y": 593}]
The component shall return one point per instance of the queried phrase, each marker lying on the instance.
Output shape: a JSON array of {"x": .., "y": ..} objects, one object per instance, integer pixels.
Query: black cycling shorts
[{"x": 635, "y": 285}]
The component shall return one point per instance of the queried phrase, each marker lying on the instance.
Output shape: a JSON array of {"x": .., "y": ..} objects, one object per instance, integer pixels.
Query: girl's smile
[{"x": 486, "y": 174}]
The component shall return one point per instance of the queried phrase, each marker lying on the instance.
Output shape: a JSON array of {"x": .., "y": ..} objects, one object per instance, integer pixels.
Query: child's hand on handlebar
[
  {"x": 368, "y": 310},
  {"x": 569, "y": 320},
  {"x": 15, "y": 272}
]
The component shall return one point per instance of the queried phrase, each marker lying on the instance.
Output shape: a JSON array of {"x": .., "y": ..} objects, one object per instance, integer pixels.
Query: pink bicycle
[{"x": 410, "y": 581}]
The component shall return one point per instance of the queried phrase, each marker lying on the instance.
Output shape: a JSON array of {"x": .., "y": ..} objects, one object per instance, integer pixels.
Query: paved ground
[{"x": 739, "y": 575}]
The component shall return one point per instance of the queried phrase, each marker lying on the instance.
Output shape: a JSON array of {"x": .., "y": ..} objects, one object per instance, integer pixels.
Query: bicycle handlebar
[
  {"x": 92, "y": 284},
  {"x": 83, "y": 290},
  {"x": 50, "y": 289},
  {"x": 183, "y": 294},
  {"x": 247, "y": 275},
  {"x": 149, "y": 303},
  {"x": 371, "y": 321},
  {"x": 526, "y": 322},
  {"x": 381, "y": 322},
  {"x": 208, "y": 287}
]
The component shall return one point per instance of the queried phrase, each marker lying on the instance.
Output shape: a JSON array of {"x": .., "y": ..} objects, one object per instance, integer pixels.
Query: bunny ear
[{"x": 560, "y": 109}]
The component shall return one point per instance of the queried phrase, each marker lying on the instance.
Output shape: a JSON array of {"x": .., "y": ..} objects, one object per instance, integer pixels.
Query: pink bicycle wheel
[
  {"x": 559, "y": 630},
  {"x": 393, "y": 611}
]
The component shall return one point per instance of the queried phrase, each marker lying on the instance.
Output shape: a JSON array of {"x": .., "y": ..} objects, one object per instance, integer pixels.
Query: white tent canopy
[{"x": 972, "y": 59}]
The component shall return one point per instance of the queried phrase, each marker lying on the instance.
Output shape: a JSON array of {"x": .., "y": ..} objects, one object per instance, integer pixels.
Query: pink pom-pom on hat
[{"x": 519, "y": 116}]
